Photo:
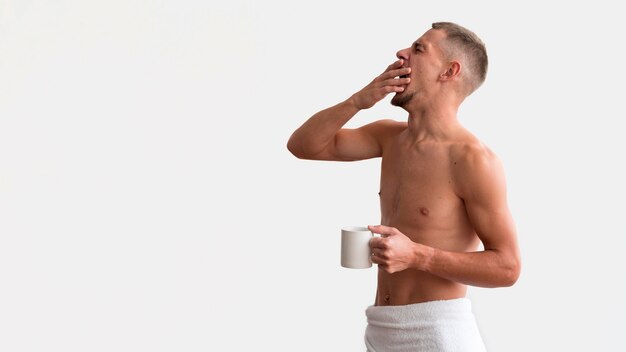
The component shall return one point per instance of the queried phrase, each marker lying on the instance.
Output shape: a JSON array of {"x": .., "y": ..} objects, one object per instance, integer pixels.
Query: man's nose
[{"x": 403, "y": 54}]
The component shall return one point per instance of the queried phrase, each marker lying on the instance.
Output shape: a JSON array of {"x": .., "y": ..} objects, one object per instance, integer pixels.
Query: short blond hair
[{"x": 461, "y": 43}]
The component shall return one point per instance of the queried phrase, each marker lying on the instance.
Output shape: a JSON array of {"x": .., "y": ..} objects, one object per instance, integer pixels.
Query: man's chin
[{"x": 401, "y": 99}]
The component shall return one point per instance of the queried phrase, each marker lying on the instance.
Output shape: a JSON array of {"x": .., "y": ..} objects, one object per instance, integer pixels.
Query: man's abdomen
[{"x": 414, "y": 286}]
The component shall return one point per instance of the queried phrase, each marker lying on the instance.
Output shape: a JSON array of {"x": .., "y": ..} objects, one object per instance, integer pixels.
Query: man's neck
[{"x": 433, "y": 123}]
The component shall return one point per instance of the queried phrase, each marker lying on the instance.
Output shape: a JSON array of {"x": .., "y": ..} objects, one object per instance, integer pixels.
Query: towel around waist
[{"x": 419, "y": 314}]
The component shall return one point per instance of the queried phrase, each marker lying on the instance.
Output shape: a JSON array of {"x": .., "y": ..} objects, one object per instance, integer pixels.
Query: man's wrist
[
  {"x": 423, "y": 257},
  {"x": 353, "y": 103}
]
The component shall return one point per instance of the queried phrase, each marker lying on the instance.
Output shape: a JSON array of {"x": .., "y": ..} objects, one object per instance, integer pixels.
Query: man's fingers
[
  {"x": 380, "y": 253},
  {"x": 382, "y": 230},
  {"x": 375, "y": 242},
  {"x": 379, "y": 242},
  {"x": 395, "y": 64},
  {"x": 381, "y": 264},
  {"x": 390, "y": 89},
  {"x": 395, "y": 73},
  {"x": 394, "y": 85},
  {"x": 396, "y": 81},
  {"x": 378, "y": 261}
]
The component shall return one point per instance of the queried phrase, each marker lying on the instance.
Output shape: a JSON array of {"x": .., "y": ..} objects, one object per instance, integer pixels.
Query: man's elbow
[
  {"x": 512, "y": 273},
  {"x": 302, "y": 149},
  {"x": 295, "y": 149}
]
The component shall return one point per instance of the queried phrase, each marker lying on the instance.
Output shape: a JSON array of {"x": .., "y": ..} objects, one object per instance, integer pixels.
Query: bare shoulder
[
  {"x": 475, "y": 166},
  {"x": 470, "y": 152},
  {"x": 387, "y": 128}
]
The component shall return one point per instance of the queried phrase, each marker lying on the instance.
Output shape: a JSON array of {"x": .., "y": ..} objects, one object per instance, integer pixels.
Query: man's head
[
  {"x": 447, "y": 53},
  {"x": 462, "y": 44}
]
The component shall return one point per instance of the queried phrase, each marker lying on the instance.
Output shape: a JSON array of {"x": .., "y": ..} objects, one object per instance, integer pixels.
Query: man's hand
[
  {"x": 382, "y": 85},
  {"x": 394, "y": 251}
]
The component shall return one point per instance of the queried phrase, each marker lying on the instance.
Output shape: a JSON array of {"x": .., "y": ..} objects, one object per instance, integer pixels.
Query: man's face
[{"x": 425, "y": 59}]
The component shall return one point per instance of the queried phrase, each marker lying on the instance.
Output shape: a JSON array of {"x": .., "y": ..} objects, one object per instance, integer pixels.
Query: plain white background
[{"x": 148, "y": 202}]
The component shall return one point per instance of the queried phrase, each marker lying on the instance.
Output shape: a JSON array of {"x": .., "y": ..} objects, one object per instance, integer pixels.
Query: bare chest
[{"x": 417, "y": 188}]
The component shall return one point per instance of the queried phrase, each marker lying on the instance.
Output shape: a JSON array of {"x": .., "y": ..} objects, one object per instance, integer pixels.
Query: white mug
[{"x": 355, "y": 247}]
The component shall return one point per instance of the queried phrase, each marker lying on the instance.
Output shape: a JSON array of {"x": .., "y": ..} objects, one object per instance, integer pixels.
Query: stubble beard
[{"x": 402, "y": 99}]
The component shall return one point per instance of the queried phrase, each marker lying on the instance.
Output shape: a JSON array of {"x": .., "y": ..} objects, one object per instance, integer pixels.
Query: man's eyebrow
[{"x": 418, "y": 45}]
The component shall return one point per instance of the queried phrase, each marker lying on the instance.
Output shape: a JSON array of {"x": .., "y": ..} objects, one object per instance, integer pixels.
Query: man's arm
[
  {"x": 321, "y": 137},
  {"x": 483, "y": 190}
]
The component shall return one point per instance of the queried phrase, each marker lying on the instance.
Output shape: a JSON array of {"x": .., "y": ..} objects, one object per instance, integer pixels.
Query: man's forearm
[
  {"x": 320, "y": 129},
  {"x": 488, "y": 268}
]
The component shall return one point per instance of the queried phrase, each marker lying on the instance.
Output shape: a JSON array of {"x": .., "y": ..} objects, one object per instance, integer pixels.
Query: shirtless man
[{"x": 442, "y": 192}]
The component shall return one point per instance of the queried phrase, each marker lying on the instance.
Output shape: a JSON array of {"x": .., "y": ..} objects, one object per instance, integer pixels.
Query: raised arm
[{"x": 322, "y": 137}]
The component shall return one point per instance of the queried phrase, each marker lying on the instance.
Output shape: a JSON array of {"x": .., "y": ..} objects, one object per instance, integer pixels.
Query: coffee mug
[{"x": 355, "y": 247}]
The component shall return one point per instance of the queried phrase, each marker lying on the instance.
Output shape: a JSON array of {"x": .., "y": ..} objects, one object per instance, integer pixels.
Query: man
[{"x": 442, "y": 192}]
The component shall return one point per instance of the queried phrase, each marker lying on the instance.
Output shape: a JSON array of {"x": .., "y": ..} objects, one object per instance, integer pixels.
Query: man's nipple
[{"x": 424, "y": 211}]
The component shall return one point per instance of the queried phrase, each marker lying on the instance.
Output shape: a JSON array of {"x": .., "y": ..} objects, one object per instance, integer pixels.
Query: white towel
[{"x": 441, "y": 326}]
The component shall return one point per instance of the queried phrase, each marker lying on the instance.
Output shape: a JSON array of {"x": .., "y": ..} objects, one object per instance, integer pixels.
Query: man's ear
[{"x": 453, "y": 69}]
